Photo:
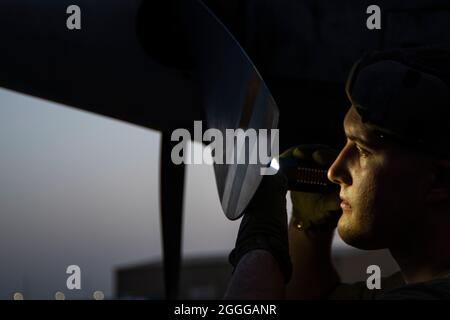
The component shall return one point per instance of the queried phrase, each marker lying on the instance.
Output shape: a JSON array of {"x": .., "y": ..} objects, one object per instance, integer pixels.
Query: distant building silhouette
[{"x": 201, "y": 278}]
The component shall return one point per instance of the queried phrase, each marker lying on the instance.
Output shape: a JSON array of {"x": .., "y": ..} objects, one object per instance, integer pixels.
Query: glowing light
[
  {"x": 60, "y": 296},
  {"x": 275, "y": 164},
  {"x": 18, "y": 296},
  {"x": 99, "y": 295}
]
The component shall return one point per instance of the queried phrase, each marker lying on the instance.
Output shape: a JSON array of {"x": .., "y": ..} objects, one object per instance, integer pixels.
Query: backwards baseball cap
[{"x": 404, "y": 94}]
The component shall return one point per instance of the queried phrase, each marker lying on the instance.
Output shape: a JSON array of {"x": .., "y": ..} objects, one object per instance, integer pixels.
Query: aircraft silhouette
[{"x": 156, "y": 65}]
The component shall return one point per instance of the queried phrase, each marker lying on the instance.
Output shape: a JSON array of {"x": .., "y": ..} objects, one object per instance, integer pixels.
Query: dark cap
[{"x": 401, "y": 96}]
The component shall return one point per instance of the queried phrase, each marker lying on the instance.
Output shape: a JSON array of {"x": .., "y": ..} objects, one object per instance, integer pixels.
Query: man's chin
[{"x": 356, "y": 237}]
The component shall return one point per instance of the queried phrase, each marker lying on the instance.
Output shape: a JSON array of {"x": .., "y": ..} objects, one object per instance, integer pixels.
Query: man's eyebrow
[{"x": 358, "y": 139}]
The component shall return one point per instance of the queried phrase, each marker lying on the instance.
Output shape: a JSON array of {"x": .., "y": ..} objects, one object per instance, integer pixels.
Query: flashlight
[{"x": 304, "y": 176}]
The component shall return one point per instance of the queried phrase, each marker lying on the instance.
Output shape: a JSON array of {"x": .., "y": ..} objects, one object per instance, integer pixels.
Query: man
[{"x": 394, "y": 178}]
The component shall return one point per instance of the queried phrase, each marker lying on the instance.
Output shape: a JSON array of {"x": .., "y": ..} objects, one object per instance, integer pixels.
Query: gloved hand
[
  {"x": 315, "y": 211},
  {"x": 264, "y": 224}
]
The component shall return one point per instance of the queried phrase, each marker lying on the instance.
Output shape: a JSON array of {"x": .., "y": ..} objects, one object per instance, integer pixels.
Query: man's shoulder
[
  {"x": 394, "y": 288},
  {"x": 430, "y": 290},
  {"x": 360, "y": 291}
]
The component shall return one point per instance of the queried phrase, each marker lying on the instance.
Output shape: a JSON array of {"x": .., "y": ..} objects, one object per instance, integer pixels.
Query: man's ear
[{"x": 440, "y": 187}]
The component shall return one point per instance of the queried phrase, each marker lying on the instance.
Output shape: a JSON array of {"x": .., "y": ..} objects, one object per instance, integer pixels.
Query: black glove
[
  {"x": 264, "y": 225},
  {"x": 315, "y": 211}
]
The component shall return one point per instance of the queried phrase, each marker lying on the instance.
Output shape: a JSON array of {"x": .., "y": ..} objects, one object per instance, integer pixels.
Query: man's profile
[{"x": 394, "y": 179}]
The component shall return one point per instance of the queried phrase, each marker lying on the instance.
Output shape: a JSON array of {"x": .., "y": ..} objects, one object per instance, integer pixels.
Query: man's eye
[{"x": 362, "y": 152}]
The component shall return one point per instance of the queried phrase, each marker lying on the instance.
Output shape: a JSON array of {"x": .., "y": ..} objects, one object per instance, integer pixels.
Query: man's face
[{"x": 383, "y": 188}]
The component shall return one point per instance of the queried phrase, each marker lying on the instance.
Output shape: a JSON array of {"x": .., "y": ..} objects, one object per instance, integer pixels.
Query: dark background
[{"x": 305, "y": 49}]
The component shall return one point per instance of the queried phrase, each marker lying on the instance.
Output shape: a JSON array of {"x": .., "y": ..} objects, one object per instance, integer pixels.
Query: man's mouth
[{"x": 345, "y": 205}]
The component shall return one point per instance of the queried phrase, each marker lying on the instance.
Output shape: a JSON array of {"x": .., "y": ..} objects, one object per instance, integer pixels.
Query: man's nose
[{"x": 338, "y": 172}]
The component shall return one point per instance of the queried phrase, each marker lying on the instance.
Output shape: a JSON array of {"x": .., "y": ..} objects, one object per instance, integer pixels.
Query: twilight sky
[{"x": 77, "y": 188}]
